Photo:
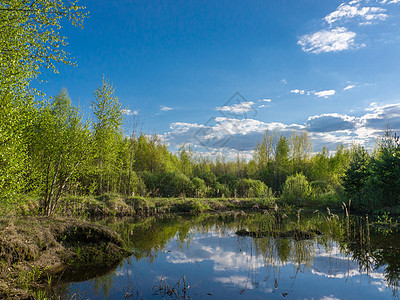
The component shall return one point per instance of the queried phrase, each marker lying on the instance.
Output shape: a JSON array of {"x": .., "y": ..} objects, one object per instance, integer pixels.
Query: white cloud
[
  {"x": 265, "y": 100},
  {"x": 349, "y": 87},
  {"x": 346, "y": 11},
  {"x": 331, "y": 297},
  {"x": 381, "y": 116},
  {"x": 297, "y": 91},
  {"x": 166, "y": 108},
  {"x": 239, "y": 108},
  {"x": 325, "y": 93},
  {"x": 330, "y": 123},
  {"x": 390, "y": 2},
  {"x": 129, "y": 112},
  {"x": 264, "y": 105},
  {"x": 333, "y": 40},
  {"x": 229, "y": 135},
  {"x": 283, "y": 80}
]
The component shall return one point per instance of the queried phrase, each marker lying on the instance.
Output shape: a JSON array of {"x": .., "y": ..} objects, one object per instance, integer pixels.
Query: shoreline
[{"x": 36, "y": 251}]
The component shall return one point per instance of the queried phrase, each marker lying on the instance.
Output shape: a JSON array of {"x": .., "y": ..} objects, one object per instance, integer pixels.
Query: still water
[{"x": 202, "y": 257}]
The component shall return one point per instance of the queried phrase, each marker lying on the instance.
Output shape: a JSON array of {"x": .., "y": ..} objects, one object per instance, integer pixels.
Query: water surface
[{"x": 351, "y": 259}]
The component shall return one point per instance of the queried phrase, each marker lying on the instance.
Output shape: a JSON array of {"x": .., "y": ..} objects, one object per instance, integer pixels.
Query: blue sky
[{"x": 217, "y": 74}]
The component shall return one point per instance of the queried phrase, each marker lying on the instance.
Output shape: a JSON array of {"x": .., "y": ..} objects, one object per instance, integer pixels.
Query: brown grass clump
[{"x": 34, "y": 248}]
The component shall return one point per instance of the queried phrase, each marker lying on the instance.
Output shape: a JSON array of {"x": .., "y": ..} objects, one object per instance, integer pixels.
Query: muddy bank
[{"x": 35, "y": 252}]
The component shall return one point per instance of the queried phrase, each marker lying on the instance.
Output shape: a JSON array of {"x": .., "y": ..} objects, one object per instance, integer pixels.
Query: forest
[{"x": 49, "y": 148}]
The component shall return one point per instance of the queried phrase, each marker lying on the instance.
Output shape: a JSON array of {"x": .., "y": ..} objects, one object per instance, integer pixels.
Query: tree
[
  {"x": 59, "y": 144},
  {"x": 301, "y": 147},
  {"x": 29, "y": 42},
  {"x": 357, "y": 175},
  {"x": 107, "y": 131},
  {"x": 265, "y": 151},
  {"x": 30, "y": 38},
  {"x": 296, "y": 189},
  {"x": 385, "y": 169},
  {"x": 186, "y": 160},
  {"x": 15, "y": 121}
]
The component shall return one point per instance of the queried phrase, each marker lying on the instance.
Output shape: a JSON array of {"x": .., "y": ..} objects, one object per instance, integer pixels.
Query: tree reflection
[{"x": 375, "y": 249}]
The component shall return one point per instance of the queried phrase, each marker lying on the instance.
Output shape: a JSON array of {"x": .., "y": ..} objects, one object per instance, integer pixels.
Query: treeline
[
  {"x": 64, "y": 151},
  {"x": 372, "y": 181},
  {"x": 49, "y": 148}
]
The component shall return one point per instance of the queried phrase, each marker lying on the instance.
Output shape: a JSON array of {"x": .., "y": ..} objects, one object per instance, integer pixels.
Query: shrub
[
  {"x": 250, "y": 188},
  {"x": 219, "y": 190},
  {"x": 174, "y": 185},
  {"x": 296, "y": 190},
  {"x": 199, "y": 187},
  {"x": 150, "y": 181}
]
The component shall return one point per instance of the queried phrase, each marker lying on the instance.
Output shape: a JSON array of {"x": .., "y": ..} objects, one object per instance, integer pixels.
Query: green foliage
[
  {"x": 219, "y": 190},
  {"x": 30, "y": 39},
  {"x": 174, "y": 185},
  {"x": 230, "y": 181},
  {"x": 150, "y": 181},
  {"x": 296, "y": 190},
  {"x": 373, "y": 182},
  {"x": 357, "y": 175},
  {"x": 191, "y": 206},
  {"x": 199, "y": 187},
  {"x": 59, "y": 143},
  {"x": 29, "y": 42},
  {"x": 16, "y": 114},
  {"x": 107, "y": 134},
  {"x": 250, "y": 188}
]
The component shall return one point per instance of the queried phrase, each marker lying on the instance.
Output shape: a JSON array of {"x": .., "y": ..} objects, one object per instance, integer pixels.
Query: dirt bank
[{"x": 36, "y": 251}]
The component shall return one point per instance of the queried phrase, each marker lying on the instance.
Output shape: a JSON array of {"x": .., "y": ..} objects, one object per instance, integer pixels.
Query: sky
[{"x": 217, "y": 74}]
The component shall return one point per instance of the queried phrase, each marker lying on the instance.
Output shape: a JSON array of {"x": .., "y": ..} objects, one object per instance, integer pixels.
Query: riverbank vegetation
[
  {"x": 57, "y": 160},
  {"x": 36, "y": 251},
  {"x": 51, "y": 151}
]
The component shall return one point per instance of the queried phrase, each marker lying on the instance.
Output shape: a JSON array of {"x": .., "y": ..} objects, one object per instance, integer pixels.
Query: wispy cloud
[
  {"x": 331, "y": 40},
  {"x": 390, "y": 2},
  {"x": 264, "y": 100},
  {"x": 349, "y": 87},
  {"x": 346, "y": 12},
  {"x": 325, "y": 93},
  {"x": 166, "y": 108},
  {"x": 239, "y": 108},
  {"x": 129, "y": 112},
  {"x": 337, "y": 38},
  {"x": 297, "y": 91}
]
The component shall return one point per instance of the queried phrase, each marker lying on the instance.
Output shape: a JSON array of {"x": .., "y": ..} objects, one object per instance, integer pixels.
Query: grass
[
  {"x": 120, "y": 206},
  {"x": 35, "y": 250}
]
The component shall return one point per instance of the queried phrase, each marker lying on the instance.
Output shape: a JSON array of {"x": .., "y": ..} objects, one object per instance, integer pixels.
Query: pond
[{"x": 265, "y": 255}]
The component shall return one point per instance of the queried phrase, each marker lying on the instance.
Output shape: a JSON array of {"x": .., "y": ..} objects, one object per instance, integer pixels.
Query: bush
[
  {"x": 190, "y": 206},
  {"x": 228, "y": 180},
  {"x": 250, "y": 188},
  {"x": 296, "y": 190},
  {"x": 219, "y": 190},
  {"x": 150, "y": 181},
  {"x": 174, "y": 185},
  {"x": 199, "y": 187},
  {"x": 137, "y": 185},
  {"x": 209, "y": 178}
]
